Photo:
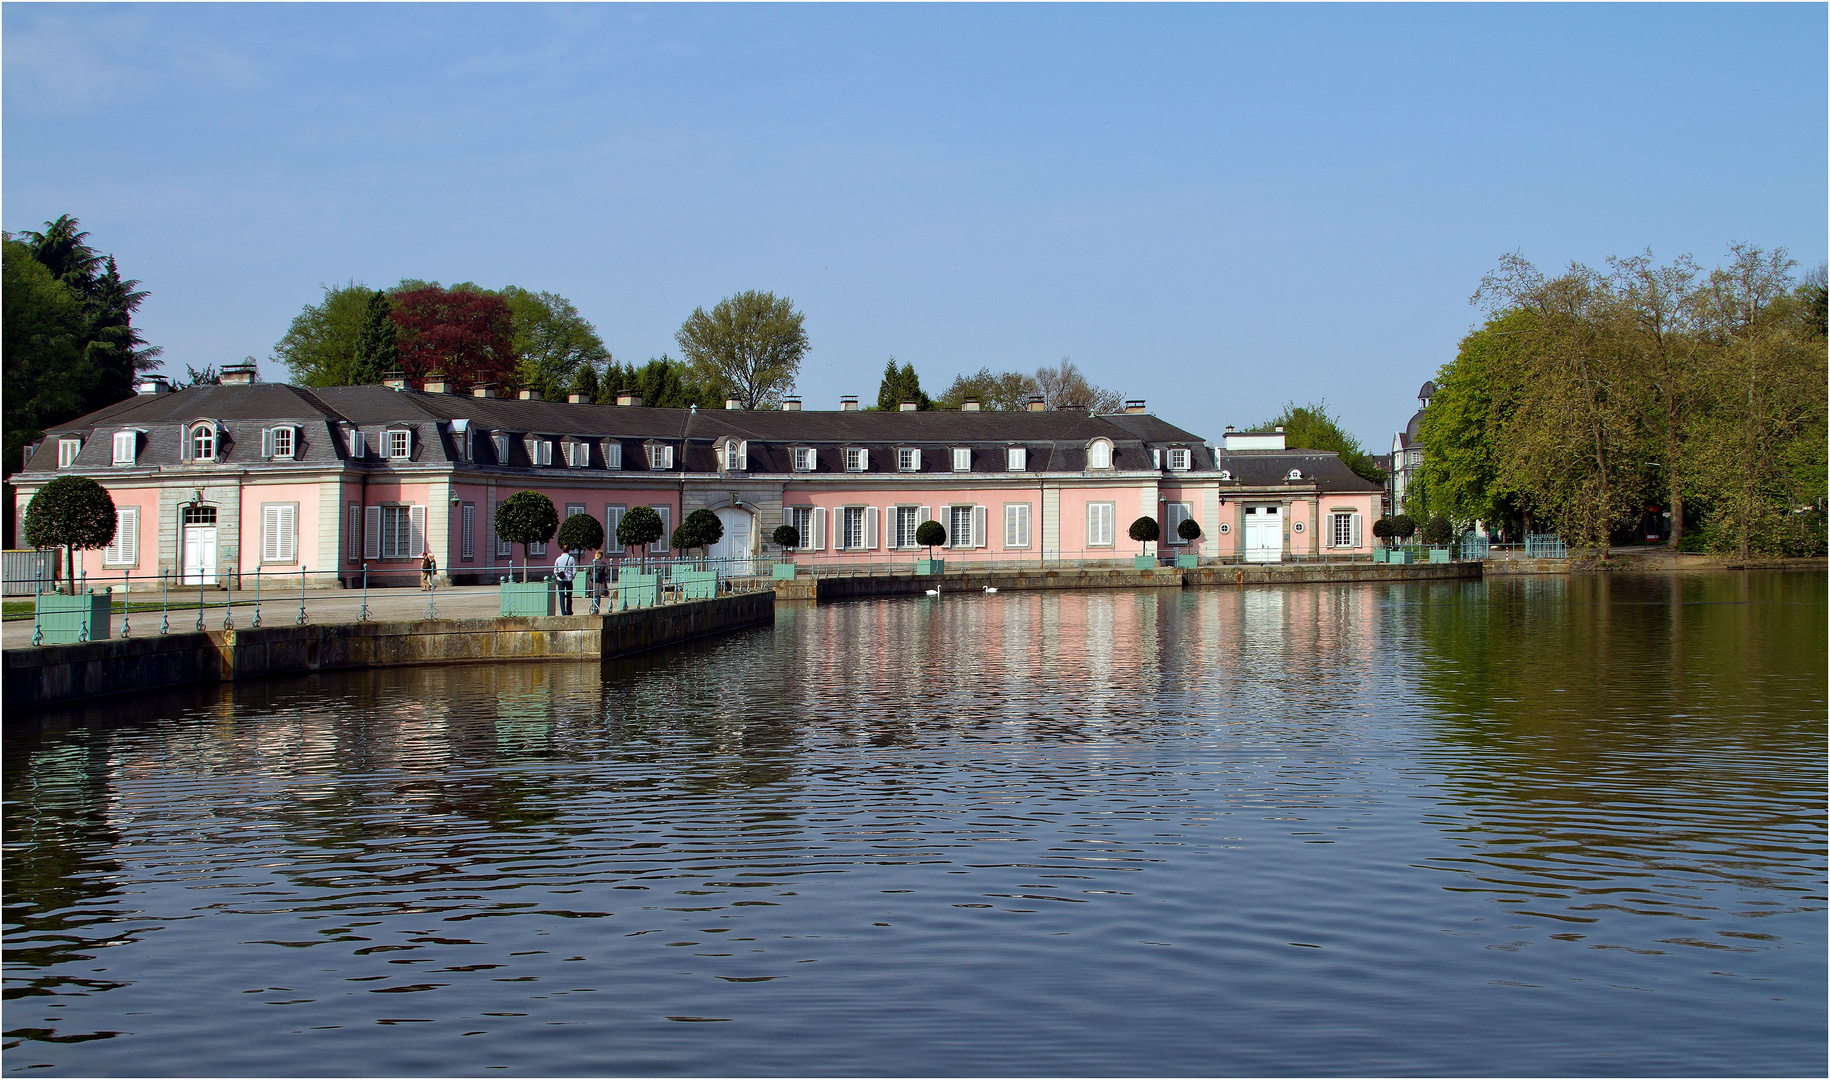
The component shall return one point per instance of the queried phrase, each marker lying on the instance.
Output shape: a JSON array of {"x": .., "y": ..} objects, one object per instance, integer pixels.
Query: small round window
[
  {"x": 1225, "y": 527},
  {"x": 1299, "y": 526}
]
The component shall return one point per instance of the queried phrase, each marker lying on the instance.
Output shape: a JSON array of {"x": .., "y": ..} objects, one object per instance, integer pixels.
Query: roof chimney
[
  {"x": 576, "y": 398},
  {"x": 436, "y": 384},
  {"x": 628, "y": 397},
  {"x": 732, "y": 403},
  {"x": 483, "y": 389},
  {"x": 1230, "y": 427},
  {"x": 395, "y": 380},
  {"x": 1280, "y": 427},
  {"x": 848, "y": 403},
  {"x": 1136, "y": 405},
  {"x": 530, "y": 395},
  {"x": 153, "y": 384},
  {"x": 971, "y": 404},
  {"x": 791, "y": 404},
  {"x": 908, "y": 406},
  {"x": 1034, "y": 404},
  {"x": 241, "y": 374}
]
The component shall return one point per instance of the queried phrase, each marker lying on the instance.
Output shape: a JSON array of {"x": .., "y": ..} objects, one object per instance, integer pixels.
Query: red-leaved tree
[{"x": 468, "y": 336}]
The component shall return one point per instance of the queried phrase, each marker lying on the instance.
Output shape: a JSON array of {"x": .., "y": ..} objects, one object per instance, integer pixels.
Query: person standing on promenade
[
  {"x": 565, "y": 568},
  {"x": 600, "y": 577},
  {"x": 428, "y": 566}
]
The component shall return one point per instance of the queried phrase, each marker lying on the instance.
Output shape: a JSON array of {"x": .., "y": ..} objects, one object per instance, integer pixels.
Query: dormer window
[
  {"x": 1099, "y": 454},
  {"x": 908, "y": 459},
  {"x": 857, "y": 460},
  {"x": 126, "y": 447},
  {"x": 203, "y": 442},
  {"x": 806, "y": 459},
  {"x": 1016, "y": 458},
  {"x": 67, "y": 449},
  {"x": 1226, "y": 474},
  {"x": 1178, "y": 459},
  {"x": 539, "y": 451},
  {"x": 501, "y": 444},
  {"x": 736, "y": 456},
  {"x": 660, "y": 455},
  {"x": 578, "y": 455},
  {"x": 962, "y": 459},
  {"x": 278, "y": 442},
  {"x": 1295, "y": 475},
  {"x": 358, "y": 444},
  {"x": 1156, "y": 457},
  {"x": 613, "y": 454},
  {"x": 399, "y": 445}
]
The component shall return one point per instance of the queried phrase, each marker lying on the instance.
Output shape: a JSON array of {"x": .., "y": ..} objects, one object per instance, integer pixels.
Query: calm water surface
[{"x": 1528, "y": 826}]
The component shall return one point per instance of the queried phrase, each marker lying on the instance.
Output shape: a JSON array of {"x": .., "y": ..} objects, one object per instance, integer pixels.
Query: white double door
[
  {"x": 199, "y": 554},
  {"x": 1264, "y": 534},
  {"x": 733, "y": 550}
]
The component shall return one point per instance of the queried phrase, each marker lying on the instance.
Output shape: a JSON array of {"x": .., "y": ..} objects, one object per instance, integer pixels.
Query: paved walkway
[{"x": 321, "y": 606}]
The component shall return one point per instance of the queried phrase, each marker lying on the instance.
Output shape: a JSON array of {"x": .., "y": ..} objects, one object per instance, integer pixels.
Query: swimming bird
[
  {"x": 933, "y": 592},
  {"x": 990, "y": 589}
]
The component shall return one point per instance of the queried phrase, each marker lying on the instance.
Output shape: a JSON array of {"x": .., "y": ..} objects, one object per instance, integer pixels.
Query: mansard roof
[{"x": 1263, "y": 468}]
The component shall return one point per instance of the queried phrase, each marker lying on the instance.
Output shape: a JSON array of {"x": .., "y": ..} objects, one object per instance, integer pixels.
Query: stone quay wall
[
  {"x": 58, "y": 674},
  {"x": 843, "y": 587}
]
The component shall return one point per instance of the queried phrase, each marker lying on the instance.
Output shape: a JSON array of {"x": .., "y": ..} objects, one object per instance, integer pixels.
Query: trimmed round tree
[
  {"x": 640, "y": 527},
  {"x": 1438, "y": 532},
  {"x": 786, "y": 537},
  {"x": 1382, "y": 529},
  {"x": 704, "y": 529},
  {"x": 526, "y": 517},
  {"x": 1189, "y": 530},
  {"x": 71, "y": 512},
  {"x": 1404, "y": 526},
  {"x": 581, "y": 532},
  {"x": 930, "y": 534},
  {"x": 1145, "y": 530}
]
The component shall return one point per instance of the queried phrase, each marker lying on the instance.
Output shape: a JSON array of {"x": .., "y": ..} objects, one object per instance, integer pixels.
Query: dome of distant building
[
  {"x": 1410, "y": 429},
  {"x": 1426, "y": 391}
]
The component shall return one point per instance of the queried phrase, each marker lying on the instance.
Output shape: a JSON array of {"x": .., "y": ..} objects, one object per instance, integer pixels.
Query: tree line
[{"x": 1587, "y": 397}]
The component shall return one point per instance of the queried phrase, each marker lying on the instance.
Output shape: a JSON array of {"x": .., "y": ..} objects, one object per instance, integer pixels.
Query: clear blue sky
[{"x": 1217, "y": 208}]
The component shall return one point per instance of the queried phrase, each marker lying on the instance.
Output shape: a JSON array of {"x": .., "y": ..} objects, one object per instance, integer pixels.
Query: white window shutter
[
  {"x": 127, "y": 535},
  {"x": 926, "y": 513},
  {"x": 1356, "y": 530},
  {"x": 417, "y": 521},
  {"x": 864, "y": 461},
  {"x": 743, "y": 456},
  {"x": 813, "y": 460},
  {"x": 817, "y": 526},
  {"x": 184, "y": 443},
  {"x": 289, "y": 531},
  {"x": 270, "y": 533},
  {"x": 266, "y": 442},
  {"x": 870, "y": 528},
  {"x": 978, "y": 527},
  {"x": 371, "y": 528}
]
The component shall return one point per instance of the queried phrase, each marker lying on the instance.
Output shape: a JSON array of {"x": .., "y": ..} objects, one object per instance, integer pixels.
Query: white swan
[
  {"x": 990, "y": 589},
  {"x": 933, "y": 592}
]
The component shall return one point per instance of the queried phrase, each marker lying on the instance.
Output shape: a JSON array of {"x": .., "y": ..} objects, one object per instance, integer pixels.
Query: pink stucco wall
[
  {"x": 594, "y": 499},
  {"x": 146, "y": 561},
  {"x": 305, "y": 546}
]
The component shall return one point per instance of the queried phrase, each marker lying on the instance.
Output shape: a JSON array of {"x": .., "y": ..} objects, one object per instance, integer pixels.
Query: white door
[
  {"x": 1264, "y": 534},
  {"x": 733, "y": 550},
  {"x": 199, "y": 554}
]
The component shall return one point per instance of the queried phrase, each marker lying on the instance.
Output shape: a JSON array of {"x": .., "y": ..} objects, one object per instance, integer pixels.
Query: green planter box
[
  {"x": 67, "y": 620},
  {"x": 527, "y": 598},
  {"x": 637, "y": 590},
  {"x": 928, "y": 567},
  {"x": 698, "y": 584},
  {"x": 1143, "y": 562},
  {"x": 1439, "y": 554},
  {"x": 1400, "y": 556},
  {"x": 1187, "y": 562},
  {"x": 1382, "y": 554},
  {"x": 782, "y": 571}
]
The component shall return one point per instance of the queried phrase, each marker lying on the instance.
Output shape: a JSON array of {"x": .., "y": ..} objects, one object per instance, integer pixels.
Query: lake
[{"x": 1522, "y": 826}]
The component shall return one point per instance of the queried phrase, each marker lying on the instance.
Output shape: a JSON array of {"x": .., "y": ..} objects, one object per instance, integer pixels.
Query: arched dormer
[
  {"x": 1099, "y": 454},
  {"x": 202, "y": 441}
]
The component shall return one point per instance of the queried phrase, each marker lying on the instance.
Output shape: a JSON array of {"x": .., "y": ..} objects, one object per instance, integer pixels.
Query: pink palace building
[{"x": 212, "y": 482}]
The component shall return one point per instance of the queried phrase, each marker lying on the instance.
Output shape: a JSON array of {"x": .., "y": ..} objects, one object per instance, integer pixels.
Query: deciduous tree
[
  {"x": 74, "y": 513},
  {"x": 321, "y": 344},
  {"x": 1007, "y": 391},
  {"x": 466, "y": 334},
  {"x": 1310, "y": 427},
  {"x": 749, "y": 345},
  {"x": 1065, "y": 387}
]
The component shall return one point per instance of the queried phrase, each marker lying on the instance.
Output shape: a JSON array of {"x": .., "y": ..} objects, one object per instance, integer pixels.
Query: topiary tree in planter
[
  {"x": 1189, "y": 530},
  {"x": 1438, "y": 532},
  {"x": 74, "y": 513},
  {"x": 526, "y": 518},
  {"x": 786, "y": 537},
  {"x": 701, "y": 529},
  {"x": 581, "y": 532},
  {"x": 930, "y": 534},
  {"x": 1404, "y": 526},
  {"x": 640, "y": 527},
  {"x": 1382, "y": 529},
  {"x": 1145, "y": 530}
]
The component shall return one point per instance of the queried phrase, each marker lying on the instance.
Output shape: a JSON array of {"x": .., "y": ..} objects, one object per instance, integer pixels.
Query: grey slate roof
[{"x": 1264, "y": 468}]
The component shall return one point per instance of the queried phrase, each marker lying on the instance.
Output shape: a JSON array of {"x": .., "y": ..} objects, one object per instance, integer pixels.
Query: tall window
[
  {"x": 1099, "y": 523},
  {"x": 804, "y": 459},
  {"x": 1174, "y": 514},
  {"x": 613, "y": 454},
  {"x": 400, "y": 445},
  {"x": 613, "y": 516},
  {"x": 1341, "y": 530},
  {"x": 1178, "y": 459},
  {"x": 126, "y": 447},
  {"x": 856, "y": 460},
  {"x": 467, "y": 528},
  {"x": 353, "y": 541},
  {"x": 279, "y": 532},
  {"x": 851, "y": 535},
  {"x": 666, "y": 541},
  {"x": 504, "y": 549},
  {"x": 660, "y": 456},
  {"x": 801, "y": 517},
  {"x": 908, "y": 460},
  {"x": 67, "y": 449},
  {"x": 124, "y": 549},
  {"x": 962, "y": 459},
  {"x": 1016, "y": 525},
  {"x": 1099, "y": 454},
  {"x": 959, "y": 532},
  {"x": 1016, "y": 459},
  {"x": 907, "y": 518},
  {"x": 203, "y": 442},
  {"x": 402, "y": 531},
  {"x": 736, "y": 456}
]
